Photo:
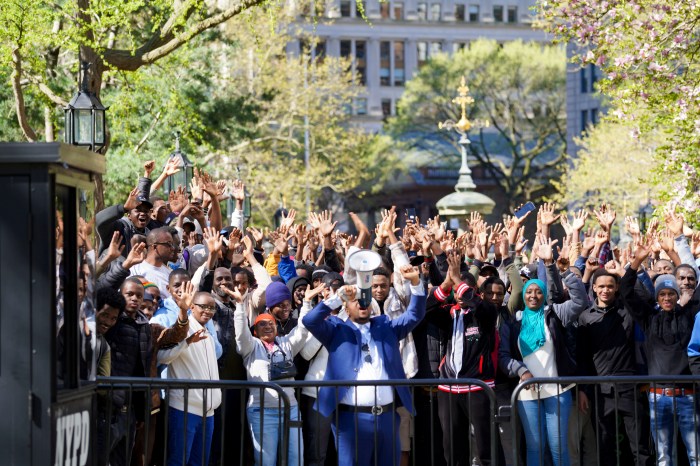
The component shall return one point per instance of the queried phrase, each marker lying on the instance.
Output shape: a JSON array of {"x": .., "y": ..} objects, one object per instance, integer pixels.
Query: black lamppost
[
  {"x": 186, "y": 172},
  {"x": 85, "y": 118}
]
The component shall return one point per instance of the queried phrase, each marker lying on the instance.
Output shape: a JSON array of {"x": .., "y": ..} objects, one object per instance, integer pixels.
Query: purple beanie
[{"x": 275, "y": 293}]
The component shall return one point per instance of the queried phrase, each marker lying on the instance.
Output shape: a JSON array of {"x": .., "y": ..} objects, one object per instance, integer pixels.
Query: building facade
[
  {"x": 583, "y": 104},
  {"x": 389, "y": 41}
]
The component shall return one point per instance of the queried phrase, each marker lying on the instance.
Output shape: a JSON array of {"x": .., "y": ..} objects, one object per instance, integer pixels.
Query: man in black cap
[{"x": 138, "y": 212}]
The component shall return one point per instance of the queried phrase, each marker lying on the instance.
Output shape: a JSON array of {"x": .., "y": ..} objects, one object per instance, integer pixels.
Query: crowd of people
[{"x": 176, "y": 290}]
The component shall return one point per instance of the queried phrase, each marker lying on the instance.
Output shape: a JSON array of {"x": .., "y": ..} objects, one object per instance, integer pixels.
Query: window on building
[
  {"x": 385, "y": 10},
  {"x": 584, "y": 120},
  {"x": 399, "y": 64},
  {"x": 584, "y": 80},
  {"x": 512, "y": 14},
  {"x": 435, "y": 11},
  {"x": 457, "y": 46},
  {"x": 498, "y": 13},
  {"x": 392, "y": 63},
  {"x": 594, "y": 116},
  {"x": 356, "y": 50},
  {"x": 398, "y": 10},
  {"x": 422, "y": 53},
  {"x": 422, "y": 10},
  {"x": 385, "y": 63},
  {"x": 426, "y": 50},
  {"x": 361, "y": 61},
  {"x": 361, "y": 106},
  {"x": 474, "y": 13},
  {"x": 459, "y": 13},
  {"x": 345, "y": 8},
  {"x": 360, "y": 10},
  {"x": 594, "y": 76},
  {"x": 386, "y": 107}
]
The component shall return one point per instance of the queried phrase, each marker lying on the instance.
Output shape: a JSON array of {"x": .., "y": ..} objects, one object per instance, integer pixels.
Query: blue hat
[{"x": 275, "y": 293}]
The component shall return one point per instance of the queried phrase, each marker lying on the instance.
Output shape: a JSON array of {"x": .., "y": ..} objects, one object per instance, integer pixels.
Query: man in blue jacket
[{"x": 364, "y": 348}]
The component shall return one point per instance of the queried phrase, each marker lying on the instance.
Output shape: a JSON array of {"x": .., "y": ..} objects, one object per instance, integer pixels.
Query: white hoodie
[{"x": 193, "y": 362}]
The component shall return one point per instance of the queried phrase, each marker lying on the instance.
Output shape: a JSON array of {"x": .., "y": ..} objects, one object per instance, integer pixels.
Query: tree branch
[
  {"x": 152, "y": 50},
  {"x": 46, "y": 90},
  {"x": 20, "y": 109}
]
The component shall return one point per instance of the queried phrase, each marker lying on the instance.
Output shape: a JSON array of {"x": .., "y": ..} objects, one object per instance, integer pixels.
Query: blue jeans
[
  {"x": 546, "y": 420},
  {"x": 661, "y": 410},
  {"x": 265, "y": 442},
  {"x": 188, "y": 444}
]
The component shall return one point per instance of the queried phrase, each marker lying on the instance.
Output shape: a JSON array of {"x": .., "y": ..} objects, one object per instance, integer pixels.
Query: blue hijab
[{"x": 532, "y": 335}]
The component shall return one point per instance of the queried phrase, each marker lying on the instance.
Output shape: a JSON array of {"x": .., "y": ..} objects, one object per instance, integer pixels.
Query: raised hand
[
  {"x": 632, "y": 226},
  {"x": 184, "y": 302},
  {"x": 177, "y": 199},
  {"x": 666, "y": 240},
  {"x": 196, "y": 190},
  {"x": 132, "y": 201},
  {"x": 326, "y": 225},
  {"x": 564, "y": 222},
  {"x": 606, "y": 217},
  {"x": 115, "y": 247},
  {"x": 579, "y": 221},
  {"x": 615, "y": 268},
  {"x": 172, "y": 167},
  {"x": 213, "y": 240},
  {"x": 547, "y": 215},
  {"x": 674, "y": 222},
  {"x": 199, "y": 335},
  {"x": 311, "y": 293},
  {"x": 521, "y": 241},
  {"x": 135, "y": 256},
  {"x": 258, "y": 236},
  {"x": 545, "y": 250},
  {"x": 641, "y": 252},
  {"x": 410, "y": 274},
  {"x": 288, "y": 220},
  {"x": 148, "y": 168}
]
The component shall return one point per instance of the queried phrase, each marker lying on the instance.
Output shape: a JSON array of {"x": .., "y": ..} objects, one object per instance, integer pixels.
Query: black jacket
[{"x": 667, "y": 333}]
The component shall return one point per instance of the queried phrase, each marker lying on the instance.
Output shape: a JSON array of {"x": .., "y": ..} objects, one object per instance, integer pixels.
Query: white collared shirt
[{"x": 369, "y": 395}]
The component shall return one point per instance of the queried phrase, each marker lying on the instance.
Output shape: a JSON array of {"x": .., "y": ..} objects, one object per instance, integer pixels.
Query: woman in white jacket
[
  {"x": 262, "y": 355},
  {"x": 194, "y": 358}
]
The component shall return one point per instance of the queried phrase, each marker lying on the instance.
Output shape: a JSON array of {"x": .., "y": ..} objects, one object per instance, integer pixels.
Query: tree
[
  {"x": 647, "y": 51},
  {"x": 519, "y": 88},
  {"x": 593, "y": 175},
  {"x": 249, "y": 117},
  {"x": 42, "y": 42}
]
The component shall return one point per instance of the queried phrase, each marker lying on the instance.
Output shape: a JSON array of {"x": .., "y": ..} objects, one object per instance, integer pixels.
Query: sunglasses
[{"x": 365, "y": 349}]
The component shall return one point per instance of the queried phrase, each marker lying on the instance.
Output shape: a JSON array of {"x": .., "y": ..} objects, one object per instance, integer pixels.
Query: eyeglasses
[
  {"x": 368, "y": 357},
  {"x": 168, "y": 245},
  {"x": 211, "y": 309}
]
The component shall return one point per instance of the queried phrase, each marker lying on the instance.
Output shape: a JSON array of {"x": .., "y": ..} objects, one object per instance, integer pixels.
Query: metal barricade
[
  {"x": 630, "y": 420},
  {"x": 426, "y": 449},
  {"x": 137, "y": 395}
]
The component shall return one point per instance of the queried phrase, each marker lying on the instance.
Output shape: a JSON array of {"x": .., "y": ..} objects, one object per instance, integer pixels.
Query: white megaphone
[{"x": 364, "y": 262}]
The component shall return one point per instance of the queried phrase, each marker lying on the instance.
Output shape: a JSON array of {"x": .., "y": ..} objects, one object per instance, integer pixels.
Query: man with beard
[{"x": 161, "y": 250}]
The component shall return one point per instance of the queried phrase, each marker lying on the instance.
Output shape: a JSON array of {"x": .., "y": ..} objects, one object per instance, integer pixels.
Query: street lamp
[
  {"x": 85, "y": 118},
  {"x": 462, "y": 127},
  {"x": 186, "y": 172},
  {"x": 457, "y": 205}
]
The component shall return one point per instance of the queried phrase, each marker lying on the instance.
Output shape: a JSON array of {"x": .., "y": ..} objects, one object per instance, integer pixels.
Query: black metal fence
[{"x": 627, "y": 422}]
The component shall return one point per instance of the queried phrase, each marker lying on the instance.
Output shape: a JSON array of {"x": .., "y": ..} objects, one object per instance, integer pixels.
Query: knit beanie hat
[
  {"x": 665, "y": 282},
  {"x": 275, "y": 293}
]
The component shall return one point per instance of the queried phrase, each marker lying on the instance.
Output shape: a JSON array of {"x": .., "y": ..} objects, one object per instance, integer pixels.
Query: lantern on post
[
  {"x": 85, "y": 123},
  {"x": 184, "y": 175}
]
